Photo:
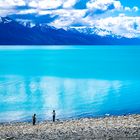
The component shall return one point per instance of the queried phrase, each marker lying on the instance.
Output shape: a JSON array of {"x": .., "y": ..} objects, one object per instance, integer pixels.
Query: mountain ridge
[{"x": 15, "y": 33}]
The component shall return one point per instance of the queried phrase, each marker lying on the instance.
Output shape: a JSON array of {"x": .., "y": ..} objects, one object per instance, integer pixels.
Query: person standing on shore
[
  {"x": 53, "y": 115},
  {"x": 34, "y": 119}
]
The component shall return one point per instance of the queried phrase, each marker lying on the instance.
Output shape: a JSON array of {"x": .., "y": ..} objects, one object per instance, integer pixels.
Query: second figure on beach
[
  {"x": 34, "y": 119},
  {"x": 53, "y": 115}
]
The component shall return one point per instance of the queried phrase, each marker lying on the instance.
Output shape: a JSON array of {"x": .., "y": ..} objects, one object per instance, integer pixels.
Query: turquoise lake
[{"x": 76, "y": 81}]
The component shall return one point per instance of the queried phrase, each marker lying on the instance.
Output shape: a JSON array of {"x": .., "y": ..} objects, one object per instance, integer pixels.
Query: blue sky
[
  {"x": 130, "y": 3},
  {"x": 120, "y": 17}
]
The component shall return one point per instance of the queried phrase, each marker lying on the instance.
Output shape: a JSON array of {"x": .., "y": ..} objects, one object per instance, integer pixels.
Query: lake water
[{"x": 76, "y": 81}]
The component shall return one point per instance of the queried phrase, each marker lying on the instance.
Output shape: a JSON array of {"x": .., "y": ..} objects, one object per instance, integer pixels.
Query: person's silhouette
[
  {"x": 53, "y": 115},
  {"x": 34, "y": 119}
]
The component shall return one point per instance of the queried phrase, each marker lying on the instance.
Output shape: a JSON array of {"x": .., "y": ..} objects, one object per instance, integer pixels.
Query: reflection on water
[
  {"x": 21, "y": 97},
  {"x": 76, "y": 81}
]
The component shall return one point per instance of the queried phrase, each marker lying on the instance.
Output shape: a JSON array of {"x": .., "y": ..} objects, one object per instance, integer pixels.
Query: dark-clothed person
[
  {"x": 34, "y": 119},
  {"x": 53, "y": 115}
]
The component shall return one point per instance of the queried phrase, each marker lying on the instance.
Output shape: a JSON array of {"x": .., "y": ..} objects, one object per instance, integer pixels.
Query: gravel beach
[{"x": 105, "y": 128}]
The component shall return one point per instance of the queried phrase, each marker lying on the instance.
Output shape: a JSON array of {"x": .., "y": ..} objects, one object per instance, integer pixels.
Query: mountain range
[{"x": 16, "y": 33}]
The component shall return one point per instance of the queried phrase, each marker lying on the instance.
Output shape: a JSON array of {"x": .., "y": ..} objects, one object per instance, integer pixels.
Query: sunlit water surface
[{"x": 76, "y": 81}]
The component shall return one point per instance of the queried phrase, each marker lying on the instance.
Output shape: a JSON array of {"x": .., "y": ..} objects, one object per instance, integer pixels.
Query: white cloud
[
  {"x": 7, "y": 6},
  {"x": 5, "y": 12},
  {"x": 33, "y": 4},
  {"x": 64, "y": 12},
  {"x": 117, "y": 4},
  {"x": 127, "y": 9},
  {"x": 45, "y": 4},
  {"x": 51, "y": 4},
  {"x": 11, "y": 3},
  {"x": 68, "y": 17},
  {"x": 121, "y": 15},
  {"x": 28, "y": 11},
  {"x": 135, "y": 8},
  {"x": 103, "y": 5},
  {"x": 41, "y": 4},
  {"x": 18, "y": 2},
  {"x": 69, "y": 3},
  {"x": 121, "y": 25}
]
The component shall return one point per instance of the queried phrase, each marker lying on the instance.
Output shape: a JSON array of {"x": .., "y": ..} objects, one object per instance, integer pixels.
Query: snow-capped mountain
[
  {"x": 25, "y": 33},
  {"x": 27, "y": 24},
  {"x": 5, "y": 20},
  {"x": 93, "y": 31}
]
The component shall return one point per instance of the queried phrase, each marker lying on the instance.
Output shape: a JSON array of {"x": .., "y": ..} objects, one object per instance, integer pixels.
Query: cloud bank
[{"x": 108, "y": 14}]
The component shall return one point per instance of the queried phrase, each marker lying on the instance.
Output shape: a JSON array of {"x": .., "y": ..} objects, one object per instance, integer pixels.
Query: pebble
[{"x": 106, "y": 128}]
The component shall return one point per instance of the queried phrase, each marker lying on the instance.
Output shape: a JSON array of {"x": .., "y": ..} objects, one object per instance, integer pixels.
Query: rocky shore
[{"x": 107, "y": 128}]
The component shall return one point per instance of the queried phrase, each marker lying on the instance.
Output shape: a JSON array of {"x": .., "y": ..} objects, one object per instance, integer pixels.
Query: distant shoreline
[{"x": 111, "y": 127}]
